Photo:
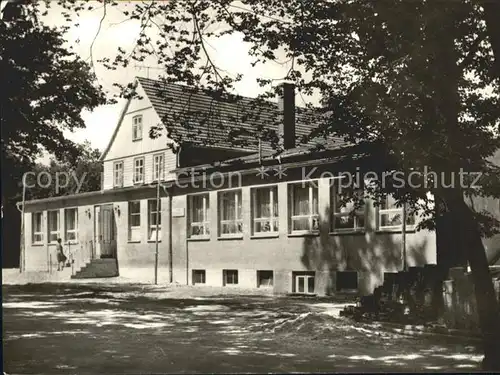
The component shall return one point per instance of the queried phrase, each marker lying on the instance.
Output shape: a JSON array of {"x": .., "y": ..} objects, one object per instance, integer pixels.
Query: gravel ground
[{"x": 95, "y": 328}]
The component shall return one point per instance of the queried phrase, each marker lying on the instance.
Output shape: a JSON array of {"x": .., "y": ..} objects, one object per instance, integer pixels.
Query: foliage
[
  {"x": 45, "y": 88},
  {"x": 67, "y": 176},
  {"x": 416, "y": 77}
]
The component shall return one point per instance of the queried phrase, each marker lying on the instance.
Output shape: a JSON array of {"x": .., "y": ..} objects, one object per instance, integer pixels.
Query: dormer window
[{"x": 137, "y": 128}]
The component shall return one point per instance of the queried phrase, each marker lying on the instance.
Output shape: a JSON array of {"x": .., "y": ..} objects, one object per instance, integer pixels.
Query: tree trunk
[
  {"x": 491, "y": 16},
  {"x": 487, "y": 304}
]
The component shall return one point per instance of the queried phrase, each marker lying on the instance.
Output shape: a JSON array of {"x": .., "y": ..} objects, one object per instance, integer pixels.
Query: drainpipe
[
  {"x": 403, "y": 227},
  {"x": 186, "y": 246},
  {"x": 403, "y": 240},
  {"x": 22, "y": 255},
  {"x": 168, "y": 192},
  {"x": 170, "y": 250}
]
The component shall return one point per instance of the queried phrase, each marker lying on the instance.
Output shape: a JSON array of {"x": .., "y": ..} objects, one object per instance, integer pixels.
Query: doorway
[{"x": 105, "y": 231}]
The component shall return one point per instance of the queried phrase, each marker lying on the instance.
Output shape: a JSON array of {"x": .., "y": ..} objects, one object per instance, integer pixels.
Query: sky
[{"x": 229, "y": 52}]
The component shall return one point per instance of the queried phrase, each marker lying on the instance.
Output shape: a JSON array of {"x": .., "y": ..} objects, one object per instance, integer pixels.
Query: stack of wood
[{"x": 404, "y": 297}]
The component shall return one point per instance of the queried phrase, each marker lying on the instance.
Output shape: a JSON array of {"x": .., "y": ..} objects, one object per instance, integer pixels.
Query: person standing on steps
[{"x": 61, "y": 258}]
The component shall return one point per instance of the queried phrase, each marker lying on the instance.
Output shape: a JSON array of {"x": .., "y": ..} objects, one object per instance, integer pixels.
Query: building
[{"x": 234, "y": 216}]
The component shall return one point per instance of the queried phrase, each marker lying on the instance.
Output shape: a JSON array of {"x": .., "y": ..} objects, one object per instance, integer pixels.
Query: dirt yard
[{"x": 95, "y": 328}]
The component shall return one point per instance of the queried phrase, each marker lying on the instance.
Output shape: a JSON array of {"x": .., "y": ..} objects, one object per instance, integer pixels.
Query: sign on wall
[{"x": 178, "y": 212}]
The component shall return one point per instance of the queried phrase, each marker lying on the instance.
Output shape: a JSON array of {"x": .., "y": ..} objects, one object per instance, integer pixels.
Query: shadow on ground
[{"x": 57, "y": 328}]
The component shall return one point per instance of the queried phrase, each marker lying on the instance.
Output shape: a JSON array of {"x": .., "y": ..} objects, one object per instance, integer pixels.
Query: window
[
  {"x": 134, "y": 221},
  {"x": 118, "y": 174},
  {"x": 347, "y": 217},
  {"x": 265, "y": 210},
  {"x": 303, "y": 282},
  {"x": 199, "y": 277},
  {"x": 137, "y": 128},
  {"x": 346, "y": 281},
  {"x": 71, "y": 224},
  {"x": 138, "y": 170},
  {"x": 230, "y": 277},
  {"x": 391, "y": 217},
  {"x": 36, "y": 228},
  {"x": 154, "y": 218},
  {"x": 199, "y": 222},
  {"x": 53, "y": 226},
  {"x": 231, "y": 223},
  {"x": 158, "y": 167},
  {"x": 304, "y": 208},
  {"x": 264, "y": 279}
]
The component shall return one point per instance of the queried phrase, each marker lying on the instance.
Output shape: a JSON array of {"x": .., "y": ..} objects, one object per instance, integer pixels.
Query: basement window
[
  {"x": 303, "y": 282},
  {"x": 347, "y": 281},
  {"x": 199, "y": 277},
  {"x": 264, "y": 279},
  {"x": 230, "y": 277}
]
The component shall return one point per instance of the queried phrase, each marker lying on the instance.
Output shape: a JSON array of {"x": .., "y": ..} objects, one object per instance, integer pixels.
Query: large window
[
  {"x": 304, "y": 208},
  {"x": 71, "y": 224},
  {"x": 198, "y": 211},
  {"x": 138, "y": 170},
  {"x": 391, "y": 217},
  {"x": 158, "y": 167},
  {"x": 53, "y": 226},
  {"x": 265, "y": 210},
  {"x": 137, "y": 128},
  {"x": 154, "y": 219},
  {"x": 347, "y": 214},
  {"x": 134, "y": 221},
  {"x": 231, "y": 223},
  {"x": 36, "y": 228},
  {"x": 118, "y": 174}
]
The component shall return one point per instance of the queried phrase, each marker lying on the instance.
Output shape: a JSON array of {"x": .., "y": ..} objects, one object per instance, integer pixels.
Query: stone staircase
[{"x": 97, "y": 268}]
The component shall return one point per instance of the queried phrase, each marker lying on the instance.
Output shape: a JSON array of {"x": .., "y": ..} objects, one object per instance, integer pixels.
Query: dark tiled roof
[
  {"x": 331, "y": 152},
  {"x": 198, "y": 118}
]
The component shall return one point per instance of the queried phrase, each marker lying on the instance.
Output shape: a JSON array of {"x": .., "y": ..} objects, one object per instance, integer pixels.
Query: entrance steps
[{"x": 98, "y": 268}]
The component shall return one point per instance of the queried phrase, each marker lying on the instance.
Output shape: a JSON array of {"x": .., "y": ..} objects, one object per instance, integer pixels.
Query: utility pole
[
  {"x": 22, "y": 242},
  {"x": 157, "y": 226}
]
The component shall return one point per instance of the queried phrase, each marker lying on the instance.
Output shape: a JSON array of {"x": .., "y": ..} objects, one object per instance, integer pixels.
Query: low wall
[{"x": 460, "y": 309}]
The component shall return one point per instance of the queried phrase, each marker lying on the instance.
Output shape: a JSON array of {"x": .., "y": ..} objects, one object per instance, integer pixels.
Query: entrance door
[{"x": 105, "y": 231}]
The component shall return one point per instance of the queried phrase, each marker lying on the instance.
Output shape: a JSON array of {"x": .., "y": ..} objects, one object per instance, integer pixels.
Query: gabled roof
[{"x": 198, "y": 117}]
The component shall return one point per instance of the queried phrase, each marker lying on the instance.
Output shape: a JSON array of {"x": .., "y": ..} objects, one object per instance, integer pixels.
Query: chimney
[{"x": 286, "y": 105}]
